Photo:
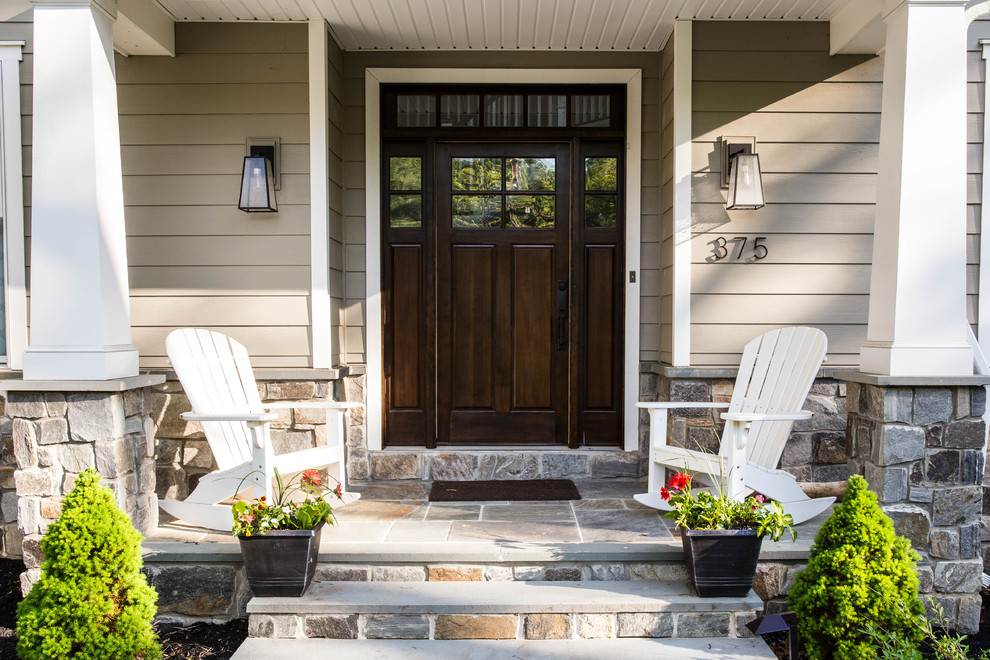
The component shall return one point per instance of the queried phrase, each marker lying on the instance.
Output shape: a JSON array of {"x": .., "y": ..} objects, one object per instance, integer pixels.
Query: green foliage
[
  {"x": 943, "y": 645},
  {"x": 92, "y": 600},
  {"x": 860, "y": 573},
  {"x": 283, "y": 512},
  {"x": 708, "y": 511}
]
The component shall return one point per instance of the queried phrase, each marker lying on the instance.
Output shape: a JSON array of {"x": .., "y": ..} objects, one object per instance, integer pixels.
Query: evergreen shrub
[
  {"x": 860, "y": 573},
  {"x": 92, "y": 601}
]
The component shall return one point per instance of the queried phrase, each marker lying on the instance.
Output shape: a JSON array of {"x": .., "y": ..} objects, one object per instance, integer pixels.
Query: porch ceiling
[{"x": 610, "y": 25}]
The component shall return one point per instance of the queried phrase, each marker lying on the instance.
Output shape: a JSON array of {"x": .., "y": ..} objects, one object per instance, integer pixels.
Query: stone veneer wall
[
  {"x": 815, "y": 451},
  {"x": 53, "y": 436},
  {"x": 922, "y": 451},
  {"x": 183, "y": 454}
]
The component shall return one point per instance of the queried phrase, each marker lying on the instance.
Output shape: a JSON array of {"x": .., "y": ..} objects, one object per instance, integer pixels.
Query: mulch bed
[
  {"x": 195, "y": 642},
  {"x": 977, "y": 642}
]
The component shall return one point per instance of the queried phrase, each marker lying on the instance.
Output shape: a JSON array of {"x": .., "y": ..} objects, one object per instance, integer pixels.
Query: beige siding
[
  {"x": 666, "y": 282},
  {"x": 335, "y": 136},
  {"x": 20, "y": 28},
  {"x": 817, "y": 121},
  {"x": 354, "y": 189},
  {"x": 974, "y": 161},
  {"x": 194, "y": 259}
]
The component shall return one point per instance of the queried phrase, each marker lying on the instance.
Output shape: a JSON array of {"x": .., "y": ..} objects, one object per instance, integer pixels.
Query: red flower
[
  {"x": 679, "y": 481},
  {"x": 312, "y": 478},
  {"x": 339, "y": 491},
  {"x": 664, "y": 493}
]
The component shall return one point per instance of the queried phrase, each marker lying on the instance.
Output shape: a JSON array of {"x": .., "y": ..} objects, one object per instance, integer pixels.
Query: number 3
[{"x": 719, "y": 248}]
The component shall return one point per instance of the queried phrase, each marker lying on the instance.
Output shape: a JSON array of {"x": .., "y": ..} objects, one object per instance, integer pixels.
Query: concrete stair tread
[
  {"x": 499, "y": 598},
  {"x": 569, "y": 649}
]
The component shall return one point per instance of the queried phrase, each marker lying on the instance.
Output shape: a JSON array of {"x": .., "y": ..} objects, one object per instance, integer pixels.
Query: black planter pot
[
  {"x": 722, "y": 562},
  {"x": 281, "y": 562}
]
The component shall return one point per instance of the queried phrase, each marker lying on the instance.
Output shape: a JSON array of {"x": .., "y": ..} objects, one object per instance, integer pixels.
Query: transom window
[{"x": 534, "y": 107}]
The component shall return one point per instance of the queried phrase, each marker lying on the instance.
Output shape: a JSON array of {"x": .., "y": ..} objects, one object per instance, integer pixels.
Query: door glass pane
[
  {"x": 416, "y": 110},
  {"x": 600, "y": 173},
  {"x": 476, "y": 173},
  {"x": 503, "y": 110},
  {"x": 530, "y": 174},
  {"x": 530, "y": 211},
  {"x": 547, "y": 110},
  {"x": 459, "y": 110},
  {"x": 600, "y": 211},
  {"x": 591, "y": 111},
  {"x": 405, "y": 211},
  {"x": 476, "y": 211},
  {"x": 405, "y": 173}
]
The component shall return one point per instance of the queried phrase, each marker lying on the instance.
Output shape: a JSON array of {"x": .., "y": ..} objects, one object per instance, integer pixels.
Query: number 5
[{"x": 758, "y": 246}]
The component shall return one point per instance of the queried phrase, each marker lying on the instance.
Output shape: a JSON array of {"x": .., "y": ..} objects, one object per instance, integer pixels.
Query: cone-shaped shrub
[
  {"x": 92, "y": 600},
  {"x": 859, "y": 571}
]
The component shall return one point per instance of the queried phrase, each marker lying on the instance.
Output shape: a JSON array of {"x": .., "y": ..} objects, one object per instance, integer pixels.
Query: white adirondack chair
[
  {"x": 775, "y": 375},
  {"x": 215, "y": 372}
]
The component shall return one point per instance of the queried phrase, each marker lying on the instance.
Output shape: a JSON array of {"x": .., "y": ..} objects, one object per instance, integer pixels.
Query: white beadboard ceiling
[{"x": 500, "y": 24}]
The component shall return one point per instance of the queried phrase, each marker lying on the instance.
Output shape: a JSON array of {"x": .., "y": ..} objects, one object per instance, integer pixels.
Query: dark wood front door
[
  {"x": 503, "y": 278},
  {"x": 503, "y": 223}
]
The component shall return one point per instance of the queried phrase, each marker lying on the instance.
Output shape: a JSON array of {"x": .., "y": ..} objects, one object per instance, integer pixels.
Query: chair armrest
[
  {"x": 229, "y": 417},
  {"x": 328, "y": 405},
  {"x": 680, "y": 404},
  {"x": 761, "y": 417}
]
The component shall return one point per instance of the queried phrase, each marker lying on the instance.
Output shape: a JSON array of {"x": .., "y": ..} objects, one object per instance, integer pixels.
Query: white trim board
[
  {"x": 319, "y": 197},
  {"x": 681, "y": 263},
  {"x": 983, "y": 297},
  {"x": 374, "y": 79},
  {"x": 12, "y": 202}
]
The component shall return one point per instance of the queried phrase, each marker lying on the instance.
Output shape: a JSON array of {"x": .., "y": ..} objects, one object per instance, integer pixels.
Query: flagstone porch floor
[{"x": 394, "y": 519}]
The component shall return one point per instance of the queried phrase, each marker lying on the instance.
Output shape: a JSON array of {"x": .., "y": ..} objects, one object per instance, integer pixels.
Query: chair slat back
[
  {"x": 216, "y": 375},
  {"x": 775, "y": 375}
]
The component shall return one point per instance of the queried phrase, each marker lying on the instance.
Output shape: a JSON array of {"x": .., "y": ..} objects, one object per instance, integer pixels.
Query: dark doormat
[{"x": 495, "y": 491}]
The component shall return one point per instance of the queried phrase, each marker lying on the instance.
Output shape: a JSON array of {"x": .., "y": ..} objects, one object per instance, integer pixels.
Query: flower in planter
[
  {"x": 708, "y": 510},
  {"x": 285, "y": 511}
]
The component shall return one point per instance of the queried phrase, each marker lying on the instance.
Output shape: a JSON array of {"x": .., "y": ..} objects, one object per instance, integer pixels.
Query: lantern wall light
[
  {"x": 260, "y": 176},
  {"x": 741, "y": 173}
]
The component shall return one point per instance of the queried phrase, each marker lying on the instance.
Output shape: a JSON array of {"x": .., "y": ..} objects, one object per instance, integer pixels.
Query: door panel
[
  {"x": 532, "y": 326},
  {"x": 472, "y": 326},
  {"x": 502, "y": 246}
]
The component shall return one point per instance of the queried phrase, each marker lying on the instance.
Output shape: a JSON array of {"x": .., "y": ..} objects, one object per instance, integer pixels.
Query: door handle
[{"x": 562, "y": 315}]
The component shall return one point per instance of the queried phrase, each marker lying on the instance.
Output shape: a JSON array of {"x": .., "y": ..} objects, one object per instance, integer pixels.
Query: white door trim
[{"x": 374, "y": 79}]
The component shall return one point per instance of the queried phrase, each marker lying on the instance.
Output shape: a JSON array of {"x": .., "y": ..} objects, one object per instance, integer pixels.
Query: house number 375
[{"x": 721, "y": 248}]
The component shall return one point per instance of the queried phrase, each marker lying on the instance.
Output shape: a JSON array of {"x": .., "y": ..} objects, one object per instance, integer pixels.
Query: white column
[
  {"x": 80, "y": 317},
  {"x": 319, "y": 196},
  {"x": 917, "y": 323}
]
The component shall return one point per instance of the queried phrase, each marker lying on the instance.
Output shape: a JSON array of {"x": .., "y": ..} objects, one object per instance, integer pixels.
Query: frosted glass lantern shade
[
  {"x": 745, "y": 182},
  {"x": 257, "y": 186}
]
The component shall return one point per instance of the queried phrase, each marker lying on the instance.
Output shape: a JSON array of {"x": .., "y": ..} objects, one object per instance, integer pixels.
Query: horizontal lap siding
[
  {"x": 194, "y": 258},
  {"x": 976, "y": 77},
  {"x": 817, "y": 123},
  {"x": 335, "y": 172},
  {"x": 354, "y": 169},
  {"x": 20, "y": 28}
]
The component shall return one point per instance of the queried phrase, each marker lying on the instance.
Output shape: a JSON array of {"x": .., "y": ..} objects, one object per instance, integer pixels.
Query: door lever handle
[{"x": 562, "y": 309}]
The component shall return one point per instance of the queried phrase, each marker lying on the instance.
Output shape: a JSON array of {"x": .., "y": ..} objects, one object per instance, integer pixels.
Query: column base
[
  {"x": 916, "y": 359},
  {"x": 80, "y": 362}
]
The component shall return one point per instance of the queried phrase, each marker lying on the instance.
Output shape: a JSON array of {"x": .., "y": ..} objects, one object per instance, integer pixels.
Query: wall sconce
[
  {"x": 741, "y": 173},
  {"x": 260, "y": 176}
]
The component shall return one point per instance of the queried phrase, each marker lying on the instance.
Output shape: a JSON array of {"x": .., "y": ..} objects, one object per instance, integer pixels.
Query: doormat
[{"x": 496, "y": 491}]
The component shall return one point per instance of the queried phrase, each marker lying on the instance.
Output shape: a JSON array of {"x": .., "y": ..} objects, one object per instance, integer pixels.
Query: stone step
[
  {"x": 586, "y": 649},
  {"x": 501, "y": 610}
]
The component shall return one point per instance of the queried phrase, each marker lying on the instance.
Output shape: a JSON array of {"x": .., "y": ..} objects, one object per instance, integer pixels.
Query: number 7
[{"x": 740, "y": 242}]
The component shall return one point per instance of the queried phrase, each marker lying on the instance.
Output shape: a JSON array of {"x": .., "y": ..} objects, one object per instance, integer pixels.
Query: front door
[
  {"x": 503, "y": 222},
  {"x": 502, "y": 259}
]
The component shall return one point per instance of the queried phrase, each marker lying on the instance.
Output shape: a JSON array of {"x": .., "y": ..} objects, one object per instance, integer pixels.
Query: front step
[
  {"x": 590, "y": 649},
  {"x": 520, "y": 610}
]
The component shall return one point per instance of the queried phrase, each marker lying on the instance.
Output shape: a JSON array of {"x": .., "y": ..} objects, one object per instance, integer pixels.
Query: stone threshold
[
  {"x": 11, "y": 382},
  {"x": 912, "y": 381},
  {"x": 630, "y": 648},
  {"x": 468, "y": 553}
]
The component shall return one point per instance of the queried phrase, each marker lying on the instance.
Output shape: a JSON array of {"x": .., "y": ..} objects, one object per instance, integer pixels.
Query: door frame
[{"x": 374, "y": 78}]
